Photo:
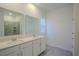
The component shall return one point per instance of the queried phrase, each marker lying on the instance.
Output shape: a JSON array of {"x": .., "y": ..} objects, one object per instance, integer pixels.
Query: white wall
[
  {"x": 59, "y": 28},
  {"x": 28, "y": 9}
]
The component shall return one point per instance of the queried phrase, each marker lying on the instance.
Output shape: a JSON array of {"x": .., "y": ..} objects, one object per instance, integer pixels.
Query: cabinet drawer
[
  {"x": 8, "y": 50},
  {"x": 26, "y": 44}
]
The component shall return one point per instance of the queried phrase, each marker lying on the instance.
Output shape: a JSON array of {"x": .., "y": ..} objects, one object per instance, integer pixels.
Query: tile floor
[{"x": 53, "y": 51}]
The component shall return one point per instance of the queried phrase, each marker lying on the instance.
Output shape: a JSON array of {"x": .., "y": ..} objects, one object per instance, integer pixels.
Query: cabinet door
[
  {"x": 13, "y": 54},
  {"x": 26, "y": 49},
  {"x": 43, "y": 44},
  {"x": 36, "y": 47},
  {"x": 10, "y": 51}
]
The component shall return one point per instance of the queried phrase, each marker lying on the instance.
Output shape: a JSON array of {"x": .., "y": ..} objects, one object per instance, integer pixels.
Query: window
[{"x": 43, "y": 24}]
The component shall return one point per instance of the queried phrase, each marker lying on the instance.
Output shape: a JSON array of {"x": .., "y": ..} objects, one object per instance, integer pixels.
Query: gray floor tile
[{"x": 53, "y": 51}]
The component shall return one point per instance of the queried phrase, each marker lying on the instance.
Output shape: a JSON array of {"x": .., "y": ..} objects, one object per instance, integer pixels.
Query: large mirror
[
  {"x": 10, "y": 22},
  {"x": 32, "y": 25},
  {"x": 14, "y": 23},
  {"x": 35, "y": 25}
]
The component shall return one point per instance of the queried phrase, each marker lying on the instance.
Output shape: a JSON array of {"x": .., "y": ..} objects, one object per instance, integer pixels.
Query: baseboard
[{"x": 60, "y": 48}]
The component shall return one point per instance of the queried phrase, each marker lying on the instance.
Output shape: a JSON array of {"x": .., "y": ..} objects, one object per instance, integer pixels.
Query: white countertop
[{"x": 11, "y": 43}]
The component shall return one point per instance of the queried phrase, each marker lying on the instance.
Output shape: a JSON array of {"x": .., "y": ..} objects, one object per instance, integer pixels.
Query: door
[
  {"x": 36, "y": 47},
  {"x": 26, "y": 49},
  {"x": 43, "y": 44}
]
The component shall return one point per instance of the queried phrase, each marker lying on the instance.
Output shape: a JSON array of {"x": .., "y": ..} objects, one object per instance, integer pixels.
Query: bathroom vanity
[
  {"x": 29, "y": 46},
  {"x": 13, "y": 23}
]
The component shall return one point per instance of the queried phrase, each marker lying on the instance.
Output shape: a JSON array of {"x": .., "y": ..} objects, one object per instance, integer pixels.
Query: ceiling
[{"x": 51, "y": 6}]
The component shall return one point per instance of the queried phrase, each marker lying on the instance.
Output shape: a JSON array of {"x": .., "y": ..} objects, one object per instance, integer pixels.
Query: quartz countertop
[{"x": 18, "y": 41}]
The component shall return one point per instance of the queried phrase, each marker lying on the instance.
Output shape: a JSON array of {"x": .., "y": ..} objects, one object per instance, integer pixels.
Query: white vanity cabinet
[
  {"x": 26, "y": 49},
  {"x": 36, "y": 47},
  {"x": 12, "y": 51},
  {"x": 43, "y": 44}
]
